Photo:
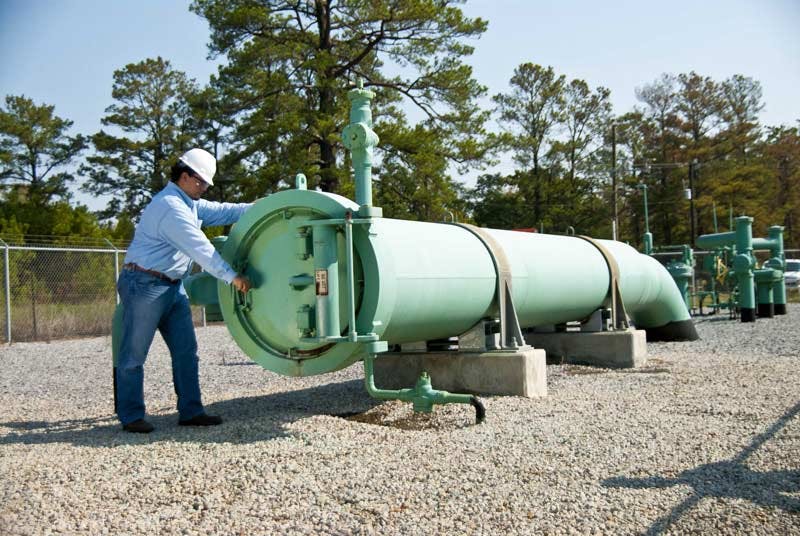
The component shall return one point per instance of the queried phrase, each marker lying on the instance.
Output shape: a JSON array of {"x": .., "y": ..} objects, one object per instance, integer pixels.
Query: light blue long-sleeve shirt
[{"x": 168, "y": 236}]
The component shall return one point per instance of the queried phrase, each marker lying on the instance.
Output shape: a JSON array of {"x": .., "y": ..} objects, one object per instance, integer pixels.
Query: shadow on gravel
[
  {"x": 247, "y": 420},
  {"x": 726, "y": 479},
  {"x": 706, "y": 318}
]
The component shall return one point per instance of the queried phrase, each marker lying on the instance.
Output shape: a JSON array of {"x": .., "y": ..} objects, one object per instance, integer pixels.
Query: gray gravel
[{"x": 704, "y": 440}]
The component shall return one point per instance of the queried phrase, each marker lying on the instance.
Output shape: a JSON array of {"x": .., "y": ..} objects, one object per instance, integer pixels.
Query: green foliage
[
  {"x": 412, "y": 182},
  {"x": 554, "y": 130},
  {"x": 691, "y": 122},
  {"x": 123, "y": 229},
  {"x": 10, "y": 226},
  {"x": 504, "y": 202},
  {"x": 496, "y": 202},
  {"x": 530, "y": 111},
  {"x": 781, "y": 156},
  {"x": 585, "y": 117},
  {"x": 36, "y": 208},
  {"x": 34, "y": 146},
  {"x": 290, "y": 65},
  {"x": 213, "y": 129},
  {"x": 59, "y": 221}
]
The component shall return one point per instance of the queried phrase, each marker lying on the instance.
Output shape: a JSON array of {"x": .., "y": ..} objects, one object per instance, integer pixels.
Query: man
[{"x": 166, "y": 241}]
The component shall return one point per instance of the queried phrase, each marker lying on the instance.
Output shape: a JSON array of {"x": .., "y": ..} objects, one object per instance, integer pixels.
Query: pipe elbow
[
  {"x": 480, "y": 410},
  {"x": 665, "y": 316}
]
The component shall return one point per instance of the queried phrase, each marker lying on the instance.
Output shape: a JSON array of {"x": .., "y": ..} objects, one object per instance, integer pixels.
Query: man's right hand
[{"x": 241, "y": 283}]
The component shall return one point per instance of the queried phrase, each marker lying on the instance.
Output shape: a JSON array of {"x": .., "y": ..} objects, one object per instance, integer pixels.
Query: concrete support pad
[
  {"x": 610, "y": 349},
  {"x": 520, "y": 373}
]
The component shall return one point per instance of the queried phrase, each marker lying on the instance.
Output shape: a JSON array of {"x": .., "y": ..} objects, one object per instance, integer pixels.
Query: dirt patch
[
  {"x": 578, "y": 370},
  {"x": 401, "y": 415}
]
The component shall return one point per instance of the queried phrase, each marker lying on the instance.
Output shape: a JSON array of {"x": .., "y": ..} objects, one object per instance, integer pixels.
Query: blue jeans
[{"x": 151, "y": 304}]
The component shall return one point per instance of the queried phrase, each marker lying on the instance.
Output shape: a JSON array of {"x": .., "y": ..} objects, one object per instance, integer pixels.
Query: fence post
[
  {"x": 116, "y": 267},
  {"x": 8, "y": 293}
]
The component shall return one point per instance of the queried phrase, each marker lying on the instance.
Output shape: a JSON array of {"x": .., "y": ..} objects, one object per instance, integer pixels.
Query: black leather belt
[{"x": 136, "y": 267}]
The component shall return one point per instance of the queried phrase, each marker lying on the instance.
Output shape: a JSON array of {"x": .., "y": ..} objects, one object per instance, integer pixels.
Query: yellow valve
[{"x": 721, "y": 271}]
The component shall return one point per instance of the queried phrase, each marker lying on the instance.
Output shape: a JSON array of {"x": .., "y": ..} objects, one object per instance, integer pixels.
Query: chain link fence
[{"x": 56, "y": 291}]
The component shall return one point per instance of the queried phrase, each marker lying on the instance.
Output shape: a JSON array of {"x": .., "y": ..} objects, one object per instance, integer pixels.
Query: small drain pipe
[{"x": 423, "y": 396}]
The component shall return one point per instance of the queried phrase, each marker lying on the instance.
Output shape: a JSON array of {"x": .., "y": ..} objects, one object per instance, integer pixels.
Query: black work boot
[
  {"x": 139, "y": 426},
  {"x": 201, "y": 420}
]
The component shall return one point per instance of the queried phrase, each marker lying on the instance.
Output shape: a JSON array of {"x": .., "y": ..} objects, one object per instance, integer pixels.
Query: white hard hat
[{"x": 201, "y": 163}]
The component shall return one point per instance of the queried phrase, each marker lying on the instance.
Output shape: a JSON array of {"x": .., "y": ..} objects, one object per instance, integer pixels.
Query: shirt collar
[{"x": 172, "y": 187}]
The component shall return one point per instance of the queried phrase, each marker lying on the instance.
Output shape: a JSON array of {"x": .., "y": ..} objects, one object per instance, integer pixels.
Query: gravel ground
[{"x": 703, "y": 440}]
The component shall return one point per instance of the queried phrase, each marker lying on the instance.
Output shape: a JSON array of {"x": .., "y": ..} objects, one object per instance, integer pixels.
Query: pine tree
[
  {"x": 35, "y": 150},
  {"x": 153, "y": 114},
  {"x": 290, "y": 65}
]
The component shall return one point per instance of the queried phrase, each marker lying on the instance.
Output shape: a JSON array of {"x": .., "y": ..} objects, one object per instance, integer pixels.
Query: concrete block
[
  {"x": 519, "y": 373},
  {"x": 610, "y": 349}
]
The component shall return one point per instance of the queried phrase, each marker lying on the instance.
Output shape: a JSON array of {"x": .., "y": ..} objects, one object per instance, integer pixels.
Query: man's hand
[{"x": 241, "y": 283}]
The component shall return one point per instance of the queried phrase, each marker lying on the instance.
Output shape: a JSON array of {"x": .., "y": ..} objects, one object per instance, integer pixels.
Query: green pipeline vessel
[{"x": 334, "y": 282}]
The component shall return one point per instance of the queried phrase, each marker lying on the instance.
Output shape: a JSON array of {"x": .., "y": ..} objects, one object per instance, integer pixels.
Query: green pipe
[
  {"x": 648, "y": 243},
  {"x": 417, "y": 281},
  {"x": 717, "y": 240},
  {"x": 765, "y": 279},
  {"x": 648, "y": 236},
  {"x": 643, "y": 188},
  {"x": 743, "y": 264},
  {"x": 765, "y": 244},
  {"x": 688, "y": 255},
  {"x": 743, "y": 261},
  {"x": 651, "y": 297},
  {"x": 202, "y": 288},
  {"x": 775, "y": 234},
  {"x": 422, "y": 395},
  {"x": 351, "y": 299},
  {"x": 682, "y": 272},
  {"x": 361, "y": 140},
  {"x": 714, "y": 211},
  {"x": 778, "y": 262}
]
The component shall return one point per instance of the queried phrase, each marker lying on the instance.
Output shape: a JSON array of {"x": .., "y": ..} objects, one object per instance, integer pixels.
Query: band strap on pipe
[
  {"x": 619, "y": 318},
  {"x": 510, "y": 331}
]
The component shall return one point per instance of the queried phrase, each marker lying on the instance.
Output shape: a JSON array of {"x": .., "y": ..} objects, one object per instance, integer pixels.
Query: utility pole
[
  {"x": 648, "y": 236},
  {"x": 614, "y": 176}
]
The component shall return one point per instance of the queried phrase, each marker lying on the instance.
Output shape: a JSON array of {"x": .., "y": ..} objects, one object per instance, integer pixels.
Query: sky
[{"x": 64, "y": 52}]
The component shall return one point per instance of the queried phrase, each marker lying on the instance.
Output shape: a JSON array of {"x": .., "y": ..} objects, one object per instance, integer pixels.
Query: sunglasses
[{"x": 199, "y": 181}]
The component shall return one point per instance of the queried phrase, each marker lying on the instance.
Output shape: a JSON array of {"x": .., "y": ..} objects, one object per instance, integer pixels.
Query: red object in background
[{"x": 527, "y": 230}]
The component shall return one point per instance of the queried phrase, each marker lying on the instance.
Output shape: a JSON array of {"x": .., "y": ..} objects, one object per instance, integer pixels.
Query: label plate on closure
[{"x": 321, "y": 278}]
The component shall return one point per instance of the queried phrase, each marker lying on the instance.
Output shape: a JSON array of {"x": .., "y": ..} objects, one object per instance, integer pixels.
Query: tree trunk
[
  {"x": 329, "y": 180},
  {"x": 537, "y": 191}
]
